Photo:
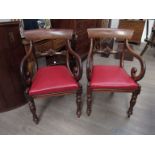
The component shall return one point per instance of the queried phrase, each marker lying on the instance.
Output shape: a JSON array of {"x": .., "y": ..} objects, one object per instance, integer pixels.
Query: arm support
[
  {"x": 90, "y": 61},
  {"x": 78, "y": 72},
  {"x": 25, "y": 74},
  {"x": 142, "y": 65}
]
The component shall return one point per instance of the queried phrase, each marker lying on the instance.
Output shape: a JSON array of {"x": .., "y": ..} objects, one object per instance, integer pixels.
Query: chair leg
[
  {"x": 33, "y": 110},
  {"x": 79, "y": 101},
  {"x": 89, "y": 100},
  {"x": 133, "y": 101},
  {"x": 144, "y": 50}
]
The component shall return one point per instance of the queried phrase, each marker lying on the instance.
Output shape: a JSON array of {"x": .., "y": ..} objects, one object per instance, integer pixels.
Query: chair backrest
[
  {"x": 39, "y": 35},
  {"x": 42, "y": 34},
  {"x": 123, "y": 34},
  {"x": 109, "y": 33}
]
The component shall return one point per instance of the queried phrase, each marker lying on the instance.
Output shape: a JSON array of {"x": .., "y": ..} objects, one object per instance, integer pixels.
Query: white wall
[
  {"x": 150, "y": 29},
  {"x": 115, "y": 22}
]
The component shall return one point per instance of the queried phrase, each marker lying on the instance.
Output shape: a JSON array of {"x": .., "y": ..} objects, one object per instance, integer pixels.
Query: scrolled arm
[
  {"x": 89, "y": 64},
  {"x": 78, "y": 73},
  {"x": 134, "y": 76},
  {"x": 25, "y": 74}
]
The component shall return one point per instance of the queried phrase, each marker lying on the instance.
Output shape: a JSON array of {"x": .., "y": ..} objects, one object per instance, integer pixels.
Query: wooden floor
[{"x": 57, "y": 114}]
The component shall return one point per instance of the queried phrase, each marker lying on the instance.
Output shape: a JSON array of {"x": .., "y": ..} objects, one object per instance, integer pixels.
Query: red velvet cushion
[
  {"x": 111, "y": 77},
  {"x": 52, "y": 79}
]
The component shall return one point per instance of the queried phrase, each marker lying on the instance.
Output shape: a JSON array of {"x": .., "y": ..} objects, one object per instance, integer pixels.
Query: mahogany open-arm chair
[
  {"x": 113, "y": 78},
  {"x": 51, "y": 80}
]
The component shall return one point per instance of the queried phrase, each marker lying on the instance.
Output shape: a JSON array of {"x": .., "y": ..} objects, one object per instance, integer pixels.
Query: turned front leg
[
  {"x": 89, "y": 101},
  {"x": 133, "y": 101},
  {"x": 79, "y": 101},
  {"x": 33, "y": 111}
]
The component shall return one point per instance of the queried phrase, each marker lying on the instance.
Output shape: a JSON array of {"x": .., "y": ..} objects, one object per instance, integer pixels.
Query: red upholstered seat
[
  {"x": 52, "y": 79},
  {"x": 111, "y": 77}
]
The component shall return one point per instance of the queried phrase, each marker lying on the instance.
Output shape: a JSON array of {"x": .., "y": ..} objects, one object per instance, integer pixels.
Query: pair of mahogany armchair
[{"x": 62, "y": 79}]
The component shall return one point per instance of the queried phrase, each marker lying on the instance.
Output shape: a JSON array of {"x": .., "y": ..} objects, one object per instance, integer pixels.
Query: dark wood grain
[
  {"x": 136, "y": 25},
  {"x": 11, "y": 53},
  {"x": 79, "y": 26}
]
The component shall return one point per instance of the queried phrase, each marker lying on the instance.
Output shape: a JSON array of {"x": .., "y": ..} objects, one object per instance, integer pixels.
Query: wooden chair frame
[
  {"x": 34, "y": 35},
  {"x": 120, "y": 34}
]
